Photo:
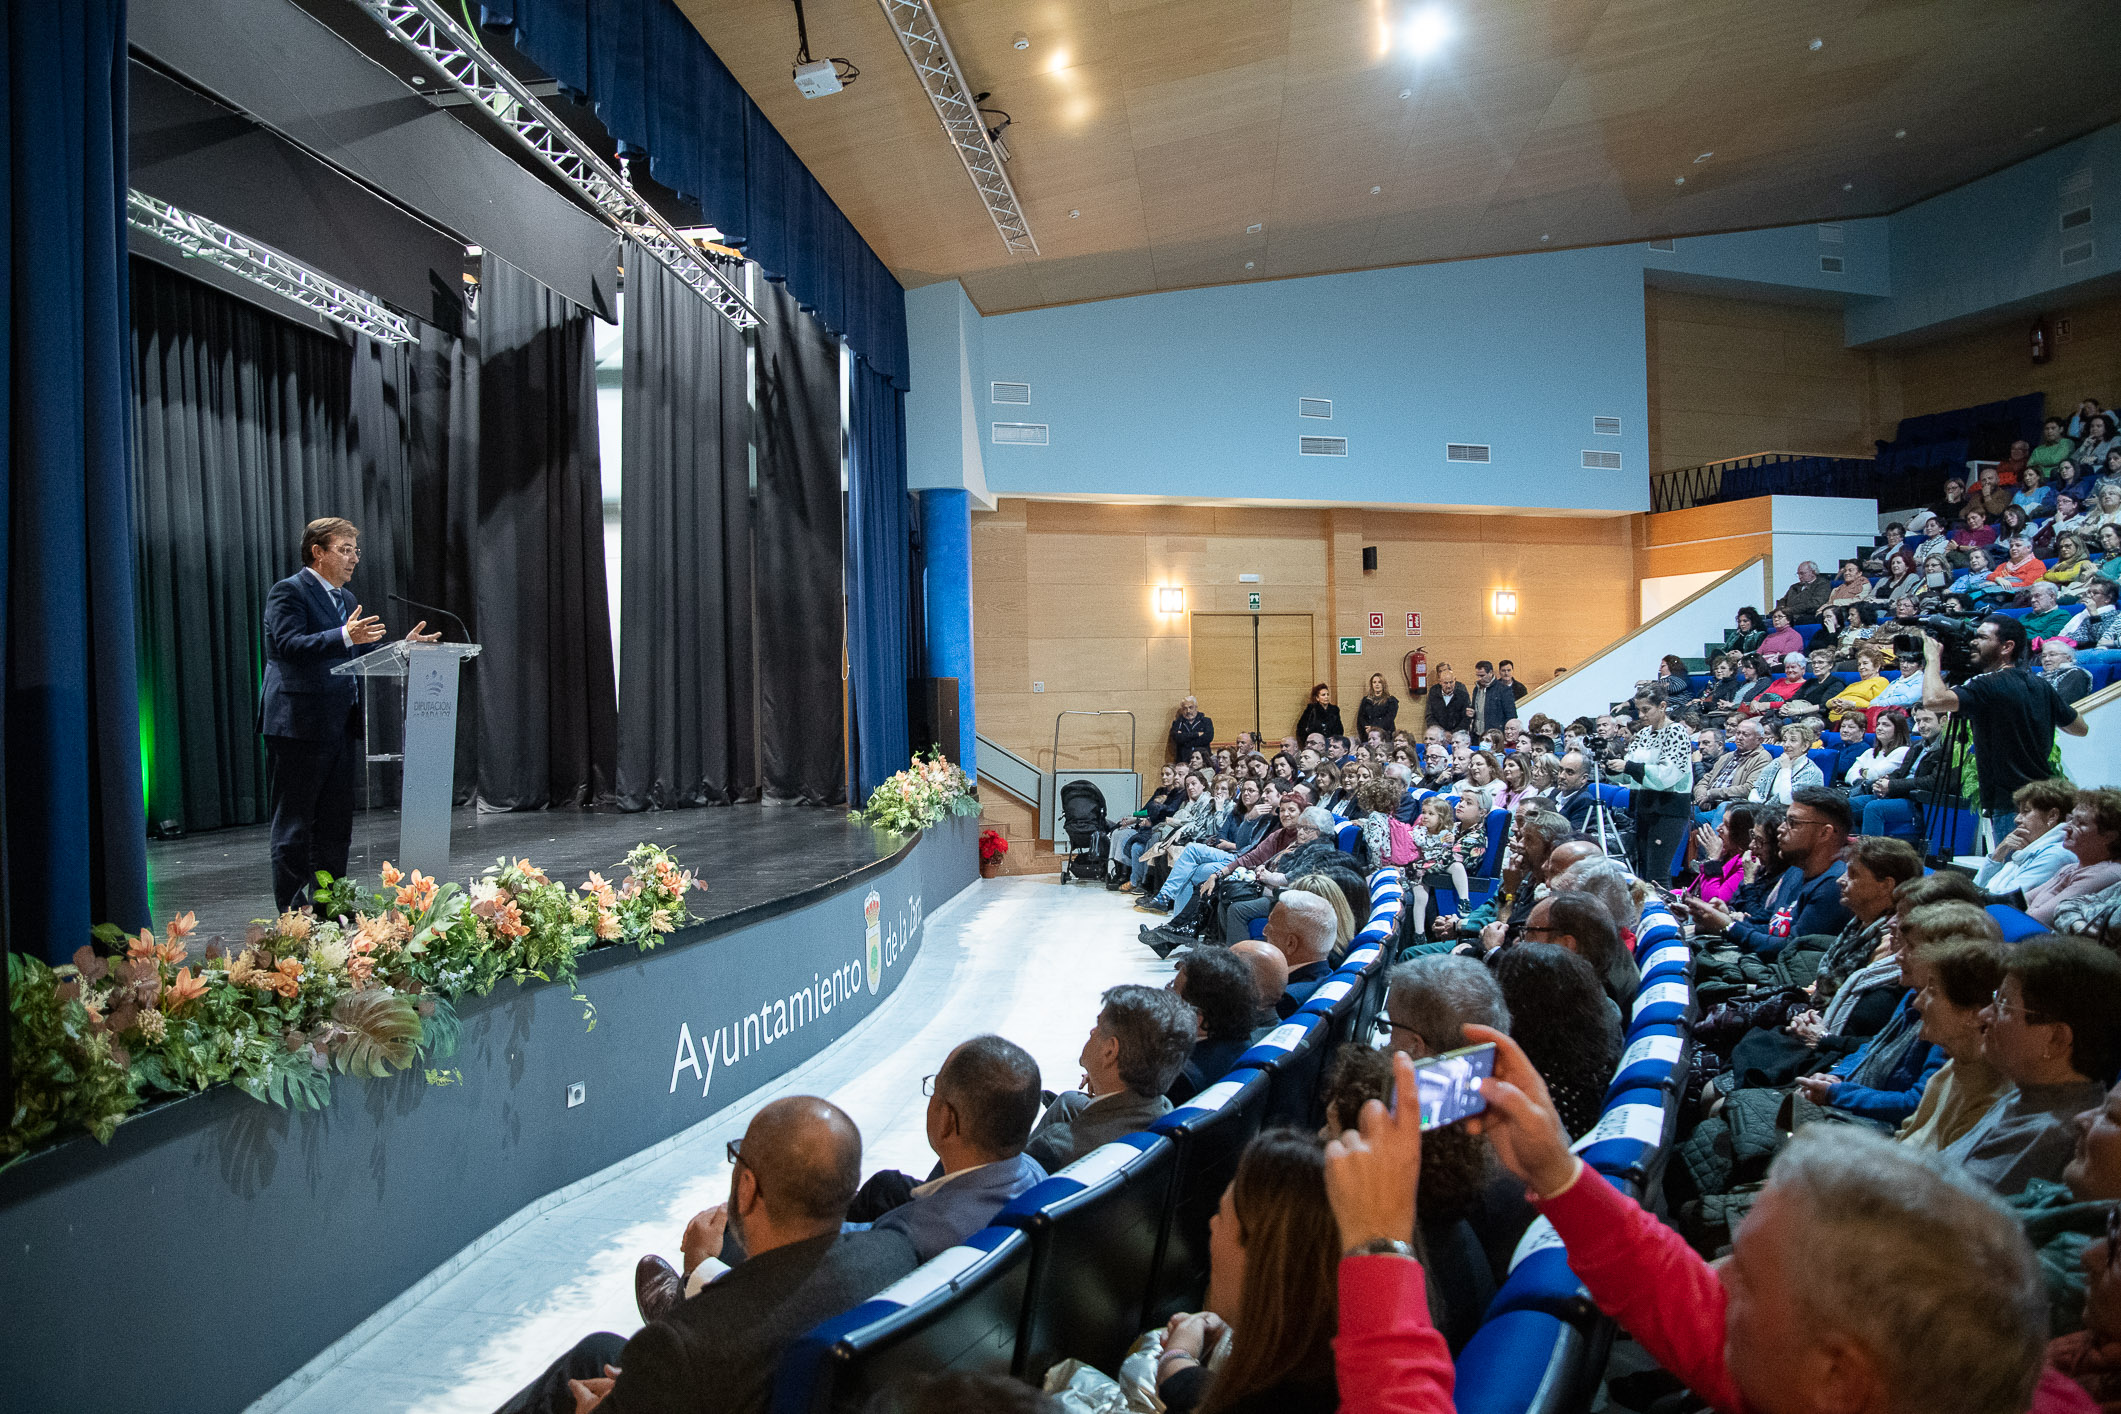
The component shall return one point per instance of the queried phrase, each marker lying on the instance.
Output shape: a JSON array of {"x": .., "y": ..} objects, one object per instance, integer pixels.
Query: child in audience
[
  {"x": 1469, "y": 841},
  {"x": 1436, "y": 862}
]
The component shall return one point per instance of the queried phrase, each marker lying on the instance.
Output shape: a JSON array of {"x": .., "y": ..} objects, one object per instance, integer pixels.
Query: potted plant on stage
[{"x": 991, "y": 849}]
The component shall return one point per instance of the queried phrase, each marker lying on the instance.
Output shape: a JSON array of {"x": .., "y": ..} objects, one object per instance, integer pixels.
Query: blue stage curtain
[
  {"x": 656, "y": 85},
  {"x": 878, "y": 611},
  {"x": 69, "y": 715}
]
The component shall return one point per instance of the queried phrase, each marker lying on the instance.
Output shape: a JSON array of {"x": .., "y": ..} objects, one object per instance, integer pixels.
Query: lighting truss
[
  {"x": 920, "y": 34},
  {"x": 243, "y": 257},
  {"x": 424, "y": 27}
]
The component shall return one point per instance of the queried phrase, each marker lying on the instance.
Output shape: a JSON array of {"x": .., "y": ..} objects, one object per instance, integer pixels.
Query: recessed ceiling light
[
  {"x": 1074, "y": 215},
  {"x": 1376, "y": 191},
  {"x": 1427, "y": 31},
  {"x": 1254, "y": 229},
  {"x": 1545, "y": 237},
  {"x": 1021, "y": 41},
  {"x": 1816, "y": 45},
  {"x": 1901, "y": 133},
  {"x": 1679, "y": 181},
  {"x": 1248, "y": 265},
  {"x": 1703, "y": 158},
  {"x": 1848, "y": 186},
  {"x": 418, "y": 81},
  {"x": 1406, "y": 93}
]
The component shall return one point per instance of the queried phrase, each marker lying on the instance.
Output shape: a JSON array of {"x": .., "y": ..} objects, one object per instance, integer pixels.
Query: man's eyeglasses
[
  {"x": 928, "y": 1084},
  {"x": 736, "y": 1157}
]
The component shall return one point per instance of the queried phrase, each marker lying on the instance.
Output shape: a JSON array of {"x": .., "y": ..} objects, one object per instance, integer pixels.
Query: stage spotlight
[{"x": 1427, "y": 31}]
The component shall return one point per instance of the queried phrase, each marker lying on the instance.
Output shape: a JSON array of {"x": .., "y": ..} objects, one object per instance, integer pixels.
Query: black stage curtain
[
  {"x": 442, "y": 412},
  {"x": 801, "y": 712},
  {"x": 547, "y": 702},
  {"x": 688, "y": 727},
  {"x": 246, "y": 427}
]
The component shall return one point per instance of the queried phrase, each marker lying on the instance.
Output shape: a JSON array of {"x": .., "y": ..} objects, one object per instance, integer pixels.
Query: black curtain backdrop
[
  {"x": 547, "y": 702},
  {"x": 246, "y": 427},
  {"x": 801, "y": 715},
  {"x": 688, "y": 732},
  {"x": 442, "y": 414}
]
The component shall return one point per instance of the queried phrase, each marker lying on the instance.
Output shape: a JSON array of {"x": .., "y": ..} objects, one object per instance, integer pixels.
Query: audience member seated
[
  {"x": 1436, "y": 863},
  {"x": 1604, "y": 937},
  {"x": 1876, "y": 762},
  {"x": 1975, "y": 533},
  {"x": 1858, "y": 695},
  {"x": 1958, "y": 980},
  {"x": 1137, "y": 1048},
  {"x": 1801, "y": 601},
  {"x": 2058, "y": 664},
  {"x": 1562, "y": 1016},
  {"x": 1309, "y": 846},
  {"x": 1809, "y": 705},
  {"x": 1734, "y": 775},
  {"x": 2054, "y": 446},
  {"x": 1328, "y": 887},
  {"x": 1864, "y": 1279},
  {"x": 2037, "y": 848},
  {"x": 1270, "y": 978},
  {"x": 1784, "y": 641},
  {"x": 1722, "y": 855},
  {"x": 1301, "y": 929},
  {"x": 1265, "y": 1340},
  {"x": 1220, "y": 986},
  {"x": 2065, "y": 1220},
  {"x": 1891, "y": 805},
  {"x": 2096, "y": 622},
  {"x": 1533, "y": 839},
  {"x": 1793, "y": 771},
  {"x": 1807, "y": 898},
  {"x": 791, "y": 1180},
  {"x": 2092, "y": 834},
  {"x": 2054, "y": 1032}
]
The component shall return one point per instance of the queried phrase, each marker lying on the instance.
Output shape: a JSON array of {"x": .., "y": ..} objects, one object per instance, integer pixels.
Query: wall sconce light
[
  {"x": 1170, "y": 601},
  {"x": 1505, "y": 602}
]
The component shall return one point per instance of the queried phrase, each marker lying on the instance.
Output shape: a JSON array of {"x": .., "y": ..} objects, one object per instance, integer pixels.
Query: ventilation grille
[
  {"x": 2071, "y": 220},
  {"x": 2077, "y": 183},
  {"x": 1605, "y": 426},
  {"x": 1830, "y": 235},
  {"x": 2077, "y": 254},
  {"x": 1020, "y": 434},
  {"x": 1602, "y": 461},
  {"x": 1314, "y": 407},
  {"x": 1467, "y": 452},
  {"x": 1831, "y": 264},
  {"x": 1010, "y": 392},
  {"x": 1663, "y": 245},
  {"x": 1322, "y": 446}
]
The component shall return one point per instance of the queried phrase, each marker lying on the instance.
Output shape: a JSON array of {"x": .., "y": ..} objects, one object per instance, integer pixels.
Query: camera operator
[{"x": 2013, "y": 715}]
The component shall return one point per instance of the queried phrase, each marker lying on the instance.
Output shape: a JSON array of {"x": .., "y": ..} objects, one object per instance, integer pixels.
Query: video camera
[{"x": 1955, "y": 644}]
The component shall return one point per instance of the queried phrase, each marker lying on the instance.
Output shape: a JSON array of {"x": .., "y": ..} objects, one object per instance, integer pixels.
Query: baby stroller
[{"x": 1089, "y": 832}]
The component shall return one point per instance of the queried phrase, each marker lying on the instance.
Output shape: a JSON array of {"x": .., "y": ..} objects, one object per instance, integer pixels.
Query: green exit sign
[
  {"x": 1350, "y": 645},
  {"x": 1254, "y": 601}
]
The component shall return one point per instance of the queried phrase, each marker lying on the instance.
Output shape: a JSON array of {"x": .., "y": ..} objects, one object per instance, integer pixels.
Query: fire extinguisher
[{"x": 1417, "y": 670}]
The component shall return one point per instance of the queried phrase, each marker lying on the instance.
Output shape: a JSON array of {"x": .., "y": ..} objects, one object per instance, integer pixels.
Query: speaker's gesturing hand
[
  {"x": 419, "y": 634},
  {"x": 362, "y": 628},
  {"x": 1521, "y": 1123}
]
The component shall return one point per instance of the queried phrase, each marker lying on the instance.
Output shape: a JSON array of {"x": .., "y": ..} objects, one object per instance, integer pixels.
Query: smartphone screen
[{"x": 1446, "y": 1084}]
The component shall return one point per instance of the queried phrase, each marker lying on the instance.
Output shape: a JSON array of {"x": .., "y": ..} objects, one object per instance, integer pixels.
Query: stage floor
[{"x": 747, "y": 855}]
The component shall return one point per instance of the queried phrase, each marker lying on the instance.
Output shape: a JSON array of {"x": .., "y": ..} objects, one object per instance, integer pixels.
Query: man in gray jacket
[{"x": 1140, "y": 1043}]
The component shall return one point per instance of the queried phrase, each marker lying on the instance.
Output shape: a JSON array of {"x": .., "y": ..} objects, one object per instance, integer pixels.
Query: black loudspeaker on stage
[{"x": 934, "y": 716}]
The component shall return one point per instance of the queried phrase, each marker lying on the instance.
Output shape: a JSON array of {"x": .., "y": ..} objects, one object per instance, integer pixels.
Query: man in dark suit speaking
[{"x": 311, "y": 718}]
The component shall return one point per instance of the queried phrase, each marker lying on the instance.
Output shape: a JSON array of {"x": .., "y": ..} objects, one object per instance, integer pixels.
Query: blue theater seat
[
  {"x": 2014, "y": 923},
  {"x": 1662, "y": 1003},
  {"x": 1655, "y": 1059},
  {"x": 1527, "y": 1362},
  {"x": 1293, "y": 1055},
  {"x": 1339, "y": 1001},
  {"x": 1094, "y": 1229},
  {"x": 960, "y": 1312},
  {"x": 1633, "y": 1137},
  {"x": 1208, "y": 1133}
]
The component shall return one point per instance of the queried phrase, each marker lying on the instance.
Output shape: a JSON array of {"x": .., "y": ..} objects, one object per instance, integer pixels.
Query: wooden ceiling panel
[{"x": 1171, "y": 125}]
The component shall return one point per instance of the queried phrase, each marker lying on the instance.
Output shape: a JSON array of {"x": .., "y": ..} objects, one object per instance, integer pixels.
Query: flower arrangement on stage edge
[
  {"x": 920, "y": 796},
  {"x": 366, "y": 988}
]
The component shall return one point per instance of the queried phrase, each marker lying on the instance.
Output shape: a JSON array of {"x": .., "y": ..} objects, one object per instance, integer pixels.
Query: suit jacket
[
  {"x": 1074, "y": 1124},
  {"x": 304, "y": 640},
  {"x": 717, "y": 1351},
  {"x": 945, "y": 1211}
]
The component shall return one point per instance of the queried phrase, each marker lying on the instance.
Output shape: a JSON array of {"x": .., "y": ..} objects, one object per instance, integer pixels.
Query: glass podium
[{"x": 427, "y": 674}]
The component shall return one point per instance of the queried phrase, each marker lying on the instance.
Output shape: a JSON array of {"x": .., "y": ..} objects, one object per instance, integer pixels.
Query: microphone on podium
[{"x": 436, "y": 610}]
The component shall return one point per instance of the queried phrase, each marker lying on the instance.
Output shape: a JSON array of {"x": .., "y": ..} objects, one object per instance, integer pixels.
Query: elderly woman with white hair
[
  {"x": 1311, "y": 848},
  {"x": 2058, "y": 664}
]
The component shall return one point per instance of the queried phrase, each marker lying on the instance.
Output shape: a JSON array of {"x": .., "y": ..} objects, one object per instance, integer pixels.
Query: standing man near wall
[
  {"x": 311, "y": 717},
  {"x": 1191, "y": 730}
]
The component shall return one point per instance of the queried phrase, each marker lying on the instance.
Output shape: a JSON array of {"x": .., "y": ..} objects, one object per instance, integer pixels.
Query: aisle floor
[{"x": 1019, "y": 956}]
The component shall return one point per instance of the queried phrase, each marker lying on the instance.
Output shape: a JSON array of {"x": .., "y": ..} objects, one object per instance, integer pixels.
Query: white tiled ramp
[{"x": 1023, "y": 957}]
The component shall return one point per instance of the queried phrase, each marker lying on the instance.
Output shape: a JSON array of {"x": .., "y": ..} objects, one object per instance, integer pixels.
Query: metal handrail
[
  {"x": 1133, "y": 733},
  {"x": 1706, "y": 484}
]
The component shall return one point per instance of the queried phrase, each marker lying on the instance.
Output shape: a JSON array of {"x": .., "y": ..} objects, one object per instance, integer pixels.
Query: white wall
[
  {"x": 1666, "y": 590},
  {"x": 1824, "y": 529},
  {"x": 2095, "y": 759},
  {"x": 1610, "y": 676}
]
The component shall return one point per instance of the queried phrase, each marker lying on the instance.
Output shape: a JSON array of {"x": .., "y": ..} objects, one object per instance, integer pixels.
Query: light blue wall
[
  {"x": 1784, "y": 259},
  {"x": 1994, "y": 247},
  {"x": 1193, "y": 393}
]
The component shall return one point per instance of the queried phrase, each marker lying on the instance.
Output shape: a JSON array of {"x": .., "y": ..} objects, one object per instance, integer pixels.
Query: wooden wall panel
[
  {"x": 1996, "y": 362},
  {"x": 1064, "y": 595},
  {"x": 1731, "y": 376}
]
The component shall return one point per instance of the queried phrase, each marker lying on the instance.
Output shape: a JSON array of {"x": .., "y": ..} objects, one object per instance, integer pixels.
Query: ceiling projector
[{"x": 817, "y": 79}]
